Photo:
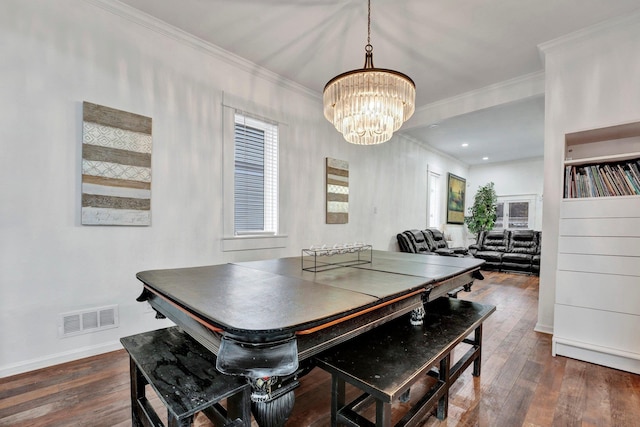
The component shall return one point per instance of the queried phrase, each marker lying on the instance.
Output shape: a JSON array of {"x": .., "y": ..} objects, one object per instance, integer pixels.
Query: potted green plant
[{"x": 482, "y": 215}]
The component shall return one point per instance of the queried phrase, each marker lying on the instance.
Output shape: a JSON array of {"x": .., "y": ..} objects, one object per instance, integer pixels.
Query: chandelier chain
[{"x": 369, "y": 22}]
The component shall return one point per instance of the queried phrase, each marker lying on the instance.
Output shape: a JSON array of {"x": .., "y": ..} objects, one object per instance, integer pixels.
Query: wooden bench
[
  {"x": 385, "y": 362},
  {"x": 183, "y": 374}
]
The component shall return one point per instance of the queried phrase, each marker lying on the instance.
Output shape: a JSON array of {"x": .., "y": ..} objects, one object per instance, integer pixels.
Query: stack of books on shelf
[{"x": 602, "y": 179}]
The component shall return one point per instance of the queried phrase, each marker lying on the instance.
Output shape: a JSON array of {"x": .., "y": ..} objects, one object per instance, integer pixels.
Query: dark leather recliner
[
  {"x": 413, "y": 241},
  {"x": 511, "y": 250},
  {"x": 404, "y": 243},
  {"x": 491, "y": 246},
  {"x": 523, "y": 245},
  {"x": 535, "y": 262},
  {"x": 439, "y": 245},
  {"x": 427, "y": 242}
]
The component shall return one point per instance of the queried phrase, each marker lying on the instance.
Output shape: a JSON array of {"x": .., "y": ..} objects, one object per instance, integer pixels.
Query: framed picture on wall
[
  {"x": 337, "y": 191},
  {"x": 455, "y": 199}
]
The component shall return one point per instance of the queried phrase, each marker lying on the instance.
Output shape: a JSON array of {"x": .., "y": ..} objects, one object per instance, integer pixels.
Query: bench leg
[
  {"x": 444, "y": 375},
  {"x": 137, "y": 383},
  {"x": 477, "y": 337},
  {"x": 383, "y": 414},
  {"x": 239, "y": 406},
  {"x": 337, "y": 398},
  {"x": 174, "y": 422}
]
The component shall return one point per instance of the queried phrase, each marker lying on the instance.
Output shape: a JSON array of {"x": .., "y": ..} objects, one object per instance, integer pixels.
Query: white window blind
[{"x": 255, "y": 176}]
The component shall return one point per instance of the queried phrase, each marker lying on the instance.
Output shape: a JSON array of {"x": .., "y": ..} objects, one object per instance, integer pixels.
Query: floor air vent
[{"x": 86, "y": 321}]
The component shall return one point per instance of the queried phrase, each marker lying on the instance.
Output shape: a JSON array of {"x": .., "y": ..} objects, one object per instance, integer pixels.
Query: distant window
[
  {"x": 255, "y": 176},
  {"x": 518, "y": 215},
  {"x": 514, "y": 213},
  {"x": 499, "y": 224},
  {"x": 434, "y": 199}
]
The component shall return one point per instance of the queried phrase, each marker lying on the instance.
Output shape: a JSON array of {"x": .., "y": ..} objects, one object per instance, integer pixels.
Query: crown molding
[
  {"x": 508, "y": 162},
  {"x": 147, "y": 21},
  {"x": 515, "y": 89},
  {"x": 428, "y": 147},
  {"x": 585, "y": 34}
]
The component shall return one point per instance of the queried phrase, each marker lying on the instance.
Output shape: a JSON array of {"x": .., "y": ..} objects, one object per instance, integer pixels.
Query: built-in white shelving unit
[{"x": 597, "y": 307}]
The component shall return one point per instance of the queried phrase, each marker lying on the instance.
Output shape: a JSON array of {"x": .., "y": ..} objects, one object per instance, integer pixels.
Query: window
[
  {"x": 255, "y": 176},
  {"x": 515, "y": 213},
  {"x": 434, "y": 200},
  {"x": 252, "y": 137}
]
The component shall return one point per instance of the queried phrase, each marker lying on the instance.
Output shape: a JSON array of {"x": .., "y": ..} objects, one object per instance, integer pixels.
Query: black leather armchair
[
  {"x": 523, "y": 245},
  {"x": 439, "y": 244},
  {"x": 535, "y": 262},
  {"x": 413, "y": 241},
  {"x": 491, "y": 246},
  {"x": 428, "y": 242}
]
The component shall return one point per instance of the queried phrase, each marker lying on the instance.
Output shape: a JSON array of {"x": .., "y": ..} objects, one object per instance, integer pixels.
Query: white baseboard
[
  {"x": 55, "y": 359},
  {"x": 612, "y": 358},
  {"x": 545, "y": 329}
]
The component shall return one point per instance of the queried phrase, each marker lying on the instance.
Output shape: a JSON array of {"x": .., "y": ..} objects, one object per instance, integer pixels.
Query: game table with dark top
[{"x": 265, "y": 319}]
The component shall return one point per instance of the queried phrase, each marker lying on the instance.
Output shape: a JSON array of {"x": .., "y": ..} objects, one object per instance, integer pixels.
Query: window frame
[
  {"x": 434, "y": 202},
  {"x": 231, "y": 241},
  {"x": 525, "y": 198},
  {"x": 269, "y": 174}
]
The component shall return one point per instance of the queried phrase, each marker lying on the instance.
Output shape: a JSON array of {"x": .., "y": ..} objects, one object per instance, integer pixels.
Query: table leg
[
  {"x": 272, "y": 400},
  {"x": 406, "y": 396},
  {"x": 274, "y": 413},
  {"x": 417, "y": 316}
]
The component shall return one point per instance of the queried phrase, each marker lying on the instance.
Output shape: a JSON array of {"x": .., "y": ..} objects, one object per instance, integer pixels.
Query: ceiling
[
  {"x": 448, "y": 47},
  {"x": 503, "y": 133}
]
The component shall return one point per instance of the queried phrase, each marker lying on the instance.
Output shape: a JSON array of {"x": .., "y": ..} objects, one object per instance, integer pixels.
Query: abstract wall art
[
  {"x": 116, "y": 167},
  {"x": 337, "y": 191}
]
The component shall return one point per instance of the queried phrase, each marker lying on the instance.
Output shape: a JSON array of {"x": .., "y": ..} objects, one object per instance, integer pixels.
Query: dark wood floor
[{"x": 521, "y": 383}]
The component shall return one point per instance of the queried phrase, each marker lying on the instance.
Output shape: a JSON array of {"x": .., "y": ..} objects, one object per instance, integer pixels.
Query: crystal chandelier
[{"x": 369, "y": 104}]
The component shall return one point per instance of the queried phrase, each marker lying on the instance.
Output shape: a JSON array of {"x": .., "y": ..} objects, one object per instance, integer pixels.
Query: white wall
[
  {"x": 56, "y": 55},
  {"x": 524, "y": 177},
  {"x": 592, "y": 82}
]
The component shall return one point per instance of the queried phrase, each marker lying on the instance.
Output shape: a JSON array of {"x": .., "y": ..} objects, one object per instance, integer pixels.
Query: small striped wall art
[
  {"x": 337, "y": 191},
  {"x": 116, "y": 167}
]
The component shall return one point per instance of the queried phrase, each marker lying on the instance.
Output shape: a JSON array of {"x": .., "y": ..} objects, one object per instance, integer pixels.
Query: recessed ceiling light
[
  {"x": 465, "y": 144},
  {"x": 485, "y": 158},
  {"x": 433, "y": 125}
]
